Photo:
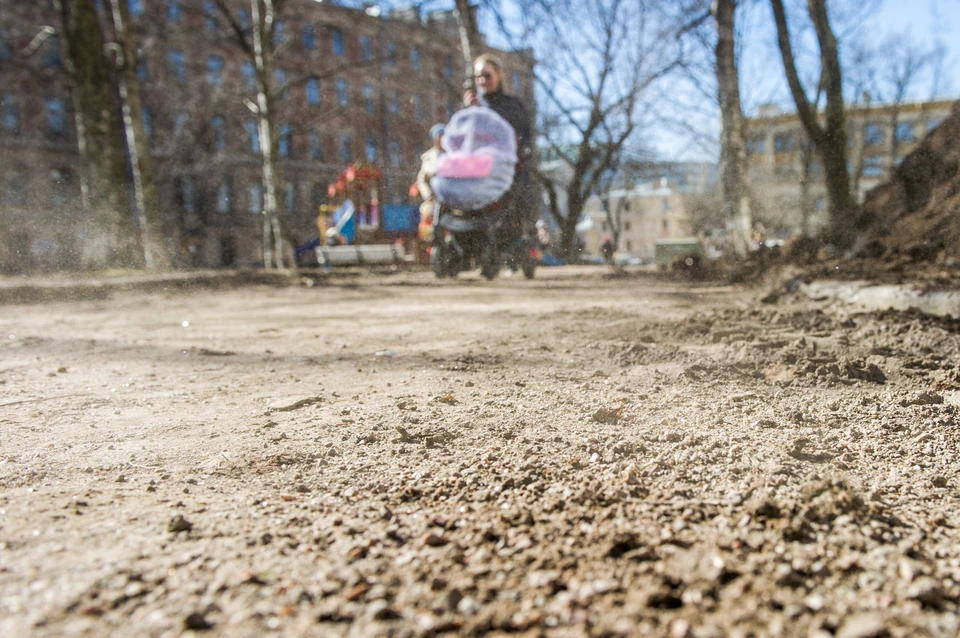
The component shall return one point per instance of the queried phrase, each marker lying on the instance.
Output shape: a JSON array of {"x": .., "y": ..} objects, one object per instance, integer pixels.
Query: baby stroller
[{"x": 473, "y": 178}]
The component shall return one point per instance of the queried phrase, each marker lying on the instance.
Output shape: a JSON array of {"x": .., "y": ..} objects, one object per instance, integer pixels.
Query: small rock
[
  {"x": 179, "y": 524},
  {"x": 197, "y": 622},
  {"x": 863, "y": 626},
  {"x": 434, "y": 540},
  {"x": 121, "y": 479},
  {"x": 468, "y": 606},
  {"x": 939, "y": 481},
  {"x": 381, "y": 610}
]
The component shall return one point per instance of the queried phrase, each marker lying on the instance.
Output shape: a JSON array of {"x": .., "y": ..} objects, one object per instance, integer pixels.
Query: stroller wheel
[
  {"x": 529, "y": 268},
  {"x": 489, "y": 261},
  {"x": 444, "y": 261}
]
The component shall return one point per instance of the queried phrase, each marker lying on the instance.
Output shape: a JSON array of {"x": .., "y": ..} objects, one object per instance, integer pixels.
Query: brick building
[{"x": 361, "y": 87}]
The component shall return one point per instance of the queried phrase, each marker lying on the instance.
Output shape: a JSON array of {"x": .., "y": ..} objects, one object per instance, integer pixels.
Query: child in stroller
[{"x": 473, "y": 179}]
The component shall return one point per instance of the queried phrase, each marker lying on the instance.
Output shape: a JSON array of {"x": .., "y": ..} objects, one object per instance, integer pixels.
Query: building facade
[
  {"x": 785, "y": 173},
  {"x": 647, "y": 213},
  {"x": 360, "y": 87}
]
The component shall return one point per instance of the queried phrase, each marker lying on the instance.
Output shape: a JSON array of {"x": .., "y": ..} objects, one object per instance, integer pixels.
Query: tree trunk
[
  {"x": 733, "y": 148},
  {"x": 831, "y": 137},
  {"x": 108, "y": 227},
  {"x": 262, "y": 16},
  {"x": 149, "y": 217},
  {"x": 469, "y": 38}
]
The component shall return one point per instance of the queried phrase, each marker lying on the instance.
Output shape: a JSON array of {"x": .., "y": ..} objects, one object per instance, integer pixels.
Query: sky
[{"x": 927, "y": 22}]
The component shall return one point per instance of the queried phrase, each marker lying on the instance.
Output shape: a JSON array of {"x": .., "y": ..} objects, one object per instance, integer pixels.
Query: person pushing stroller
[{"x": 517, "y": 212}]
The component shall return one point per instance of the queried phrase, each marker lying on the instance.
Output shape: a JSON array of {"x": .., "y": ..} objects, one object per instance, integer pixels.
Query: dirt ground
[{"x": 577, "y": 455}]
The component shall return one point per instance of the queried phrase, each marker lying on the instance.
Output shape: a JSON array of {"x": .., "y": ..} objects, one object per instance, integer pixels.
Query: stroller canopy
[{"x": 480, "y": 156}]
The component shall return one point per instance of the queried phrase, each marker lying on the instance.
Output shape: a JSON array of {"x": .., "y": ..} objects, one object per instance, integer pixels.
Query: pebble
[{"x": 179, "y": 524}]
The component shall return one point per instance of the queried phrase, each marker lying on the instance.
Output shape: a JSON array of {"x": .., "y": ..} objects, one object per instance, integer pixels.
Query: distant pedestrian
[{"x": 428, "y": 169}]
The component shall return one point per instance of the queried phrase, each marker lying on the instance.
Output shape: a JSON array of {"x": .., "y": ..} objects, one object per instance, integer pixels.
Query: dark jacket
[{"x": 512, "y": 110}]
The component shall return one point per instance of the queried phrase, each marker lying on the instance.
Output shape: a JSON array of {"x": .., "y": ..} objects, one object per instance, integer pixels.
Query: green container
[{"x": 668, "y": 251}]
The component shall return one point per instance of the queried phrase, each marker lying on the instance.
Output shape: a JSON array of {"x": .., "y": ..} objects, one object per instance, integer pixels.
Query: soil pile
[{"x": 913, "y": 217}]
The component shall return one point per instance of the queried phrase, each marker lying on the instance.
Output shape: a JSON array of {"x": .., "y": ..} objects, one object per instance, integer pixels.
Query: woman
[{"x": 488, "y": 75}]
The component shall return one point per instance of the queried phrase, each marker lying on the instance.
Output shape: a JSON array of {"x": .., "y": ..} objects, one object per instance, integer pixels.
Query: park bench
[{"x": 362, "y": 255}]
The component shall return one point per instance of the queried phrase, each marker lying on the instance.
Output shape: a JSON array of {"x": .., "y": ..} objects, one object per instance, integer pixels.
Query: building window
[
  {"x": 783, "y": 142},
  {"x": 56, "y": 118},
  {"x": 249, "y": 76},
  {"x": 51, "y": 53},
  {"x": 285, "y": 141},
  {"x": 872, "y": 134},
  {"x": 873, "y": 166},
  {"x": 755, "y": 145},
  {"x": 173, "y": 11},
  {"x": 517, "y": 82},
  {"x": 665, "y": 204},
  {"x": 214, "y": 70},
  {"x": 309, "y": 37},
  {"x": 223, "y": 197},
  {"x": 187, "y": 193},
  {"x": 219, "y": 126},
  {"x": 396, "y": 152},
  {"x": 369, "y": 105},
  {"x": 290, "y": 198},
  {"x": 366, "y": 48},
  {"x": 346, "y": 148},
  {"x": 5, "y": 52},
  {"x": 417, "y": 103},
  {"x": 343, "y": 97},
  {"x": 246, "y": 22},
  {"x": 136, "y": 7},
  {"x": 60, "y": 194},
  {"x": 448, "y": 67},
  {"x": 279, "y": 32},
  {"x": 253, "y": 135},
  {"x": 338, "y": 42},
  {"x": 371, "y": 149},
  {"x": 210, "y": 16},
  {"x": 280, "y": 84},
  {"x": 905, "y": 132},
  {"x": 393, "y": 105},
  {"x": 315, "y": 144},
  {"x": 256, "y": 199},
  {"x": 11, "y": 114},
  {"x": 391, "y": 53},
  {"x": 180, "y": 120},
  {"x": 147, "y": 117},
  {"x": 313, "y": 91},
  {"x": 178, "y": 67},
  {"x": 415, "y": 59}
]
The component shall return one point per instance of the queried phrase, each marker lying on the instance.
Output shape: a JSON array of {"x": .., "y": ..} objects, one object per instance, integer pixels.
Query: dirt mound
[{"x": 913, "y": 217}]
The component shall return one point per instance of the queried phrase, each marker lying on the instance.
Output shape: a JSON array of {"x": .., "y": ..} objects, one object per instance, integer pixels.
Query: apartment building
[
  {"x": 879, "y": 136},
  {"x": 360, "y": 87},
  {"x": 647, "y": 212}
]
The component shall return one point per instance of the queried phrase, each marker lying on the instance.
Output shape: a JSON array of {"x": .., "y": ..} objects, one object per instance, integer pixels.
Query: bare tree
[
  {"x": 103, "y": 182},
  {"x": 155, "y": 255},
  {"x": 257, "y": 42},
  {"x": 469, "y": 37},
  {"x": 733, "y": 147},
  {"x": 598, "y": 60},
  {"x": 830, "y": 137}
]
